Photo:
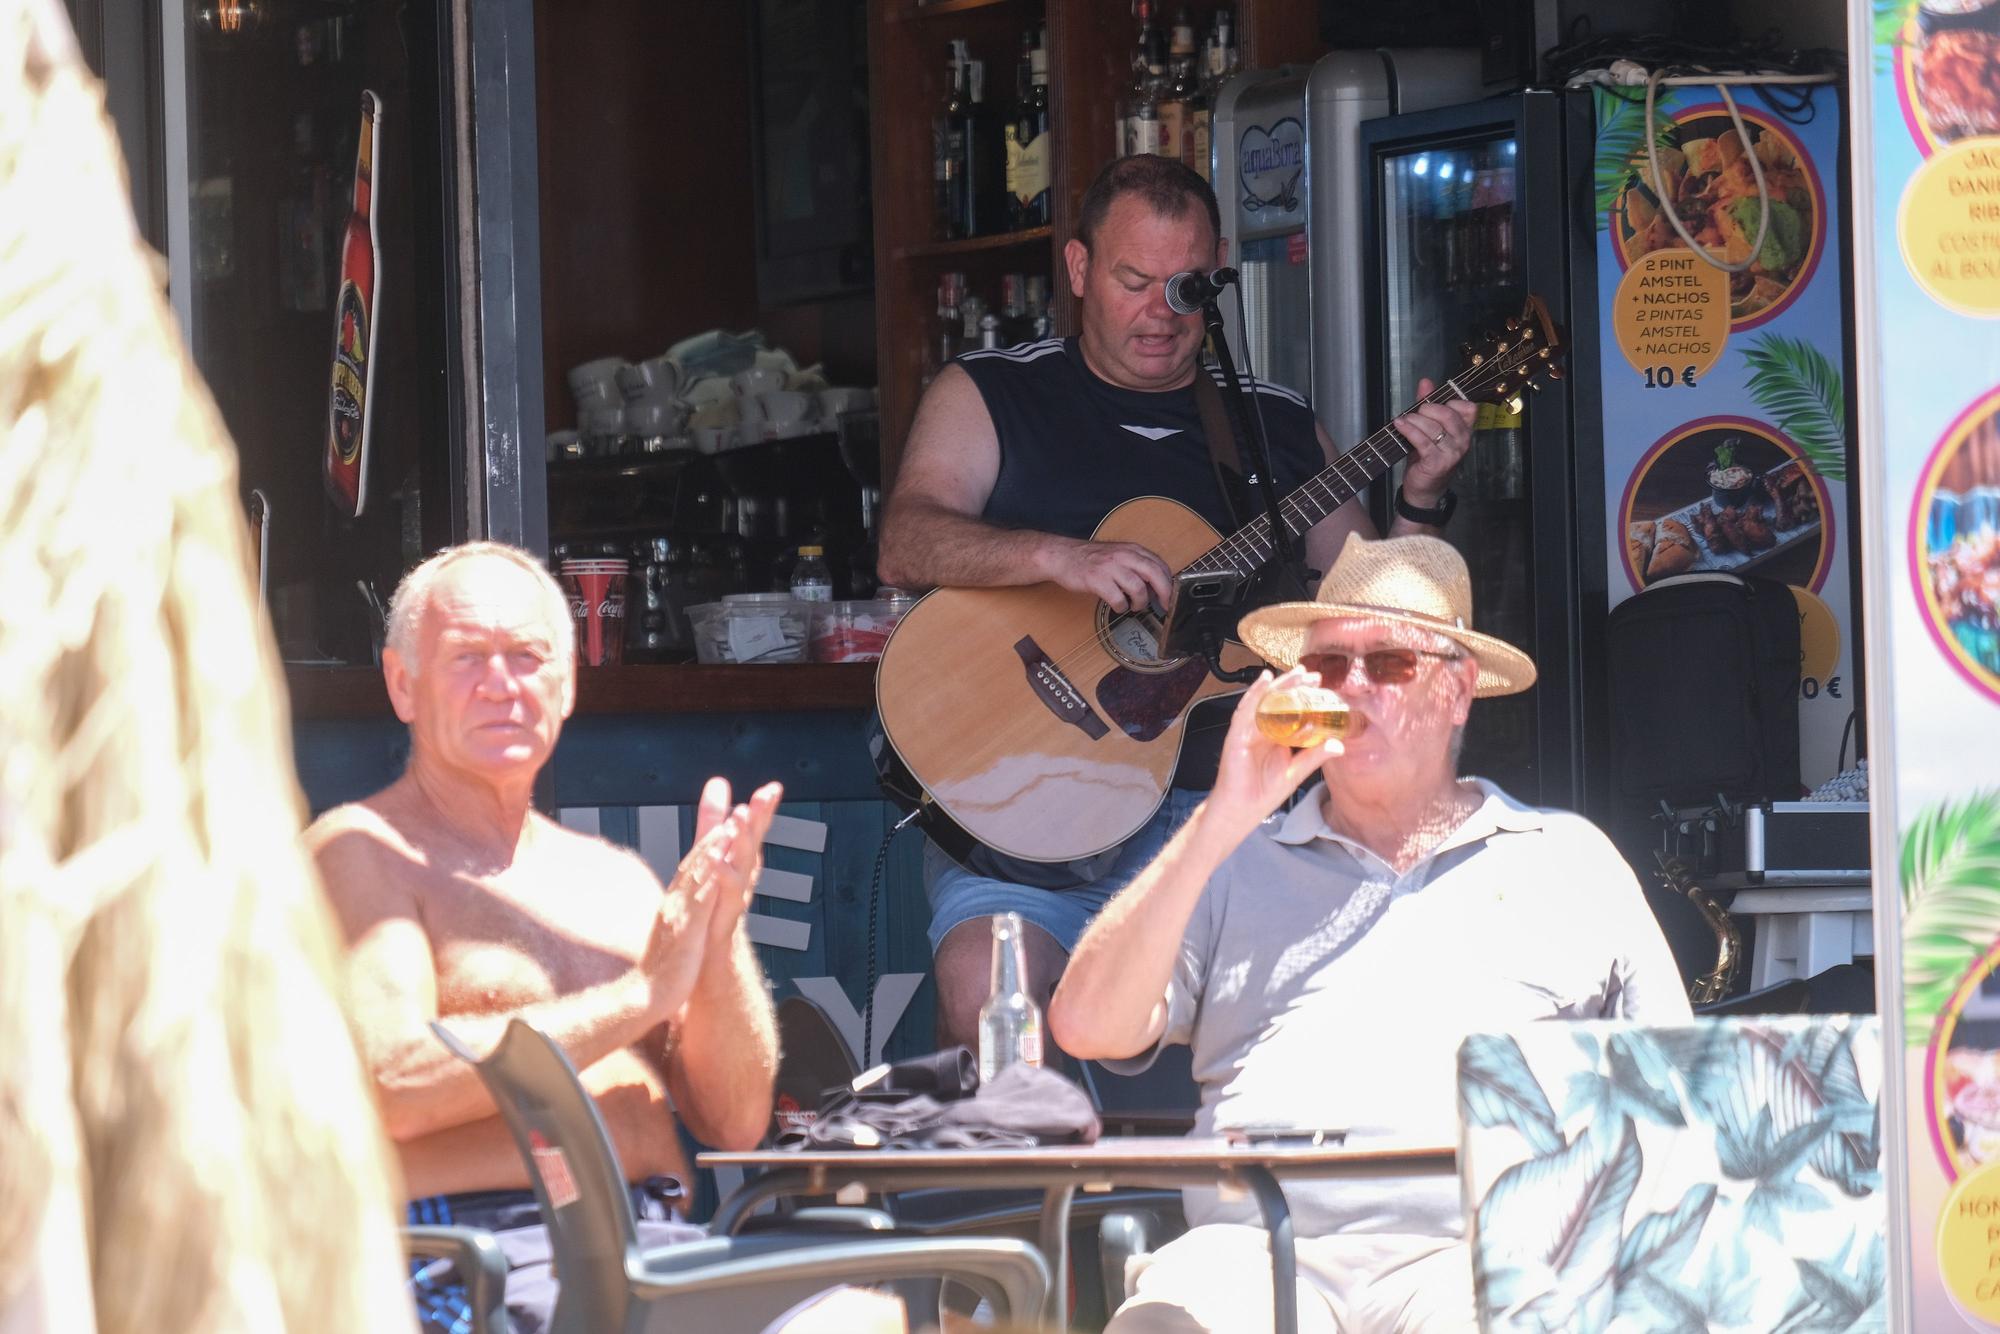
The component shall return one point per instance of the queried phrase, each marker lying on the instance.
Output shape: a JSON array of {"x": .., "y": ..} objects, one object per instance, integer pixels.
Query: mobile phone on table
[{"x": 1284, "y": 1137}]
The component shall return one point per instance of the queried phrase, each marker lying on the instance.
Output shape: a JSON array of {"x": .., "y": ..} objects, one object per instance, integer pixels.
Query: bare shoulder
[
  {"x": 365, "y": 859},
  {"x": 952, "y": 447},
  {"x": 604, "y": 862}
]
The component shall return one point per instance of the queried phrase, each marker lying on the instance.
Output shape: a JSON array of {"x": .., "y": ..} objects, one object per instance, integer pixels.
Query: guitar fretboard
[{"x": 1246, "y": 550}]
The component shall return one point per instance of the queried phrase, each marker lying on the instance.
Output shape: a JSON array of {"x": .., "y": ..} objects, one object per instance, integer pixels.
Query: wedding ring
[{"x": 1438, "y": 439}]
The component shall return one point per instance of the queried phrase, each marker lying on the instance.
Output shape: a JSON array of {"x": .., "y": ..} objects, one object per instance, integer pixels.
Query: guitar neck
[{"x": 1247, "y": 549}]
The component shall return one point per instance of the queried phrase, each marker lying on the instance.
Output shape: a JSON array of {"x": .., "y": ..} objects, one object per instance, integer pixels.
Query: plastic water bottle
[
  {"x": 812, "y": 581},
  {"x": 1010, "y": 1024}
]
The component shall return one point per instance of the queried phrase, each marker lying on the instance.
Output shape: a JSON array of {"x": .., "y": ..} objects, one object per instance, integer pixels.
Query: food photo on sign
[
  {"x": 1947, "y": 66},
  {"x": 1726, "y": 195},
  {"x": 1729, "y": 495}
]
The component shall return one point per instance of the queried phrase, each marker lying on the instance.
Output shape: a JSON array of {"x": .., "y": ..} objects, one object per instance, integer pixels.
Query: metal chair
[{"x": 609, "y": 1283}]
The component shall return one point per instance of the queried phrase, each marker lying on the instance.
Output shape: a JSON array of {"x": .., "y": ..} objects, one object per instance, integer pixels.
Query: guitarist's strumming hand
[
  {"x": 1440, "y": 433},
  {"x": 1255, "y": 774},
  {"x": 1122, "y": 575}
]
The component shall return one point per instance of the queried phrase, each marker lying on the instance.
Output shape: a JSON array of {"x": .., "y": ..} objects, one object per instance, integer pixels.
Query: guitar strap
[{"x": 1223, "y": 454}]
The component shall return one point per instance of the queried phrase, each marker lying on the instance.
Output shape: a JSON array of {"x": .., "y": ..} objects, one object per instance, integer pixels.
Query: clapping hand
[{"x": 709, "y": 892}]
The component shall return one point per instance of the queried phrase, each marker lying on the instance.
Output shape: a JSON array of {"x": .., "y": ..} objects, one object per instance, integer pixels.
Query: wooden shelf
[
  {"x": 357, "y": 693},
  {"x": 952, "y": 7},
  {"x": 1089, "y": 48},
  {"x": 972, "y": 245}
]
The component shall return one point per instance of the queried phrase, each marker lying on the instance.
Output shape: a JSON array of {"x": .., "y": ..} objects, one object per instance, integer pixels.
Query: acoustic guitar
[{"x": 1047, "y": 726}]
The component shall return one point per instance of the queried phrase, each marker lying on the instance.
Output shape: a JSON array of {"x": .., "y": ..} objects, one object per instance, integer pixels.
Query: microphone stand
[
  {"x": 1249, "y": 426},
  {"x": 1207, "y": 607}
]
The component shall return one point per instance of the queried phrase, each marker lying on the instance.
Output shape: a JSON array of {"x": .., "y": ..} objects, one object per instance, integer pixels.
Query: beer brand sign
[{"x": 1271, "y": 163}]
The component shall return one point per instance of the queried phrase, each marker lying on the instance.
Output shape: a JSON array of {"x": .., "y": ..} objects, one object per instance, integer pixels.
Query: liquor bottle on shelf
[
  {"x": 1016, "y": 325},
  {"x": 1132, "y": 107},
  {"x": 1028, "y": 175},
  {"x": 1221, "y": 51},
  {"x": 948, "y": 149},
  {"x": 1041, "y": 323},
  {"x": 985, "y": 159},
  {"x": 1177, "y": 95},
  {"x": 1195, "y": 140},
  {"x": 1011, "y": 132},
  {"x": 1147, "y": 135},
  {"x": 943, "y": 341}
]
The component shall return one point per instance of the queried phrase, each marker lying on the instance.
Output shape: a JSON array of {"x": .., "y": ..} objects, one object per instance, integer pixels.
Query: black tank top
[{"x": 1073, "y": 447}]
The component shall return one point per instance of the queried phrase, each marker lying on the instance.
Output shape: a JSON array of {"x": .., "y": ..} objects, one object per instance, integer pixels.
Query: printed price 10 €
[{"x": 1665, "y": 377}]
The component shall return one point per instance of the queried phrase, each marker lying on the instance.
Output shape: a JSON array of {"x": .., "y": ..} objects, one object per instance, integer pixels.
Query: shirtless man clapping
[{"x": 462, "y": 903}]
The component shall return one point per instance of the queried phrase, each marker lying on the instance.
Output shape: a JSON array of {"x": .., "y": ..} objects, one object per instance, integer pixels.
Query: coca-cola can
[{"x": 596, "y": 588}]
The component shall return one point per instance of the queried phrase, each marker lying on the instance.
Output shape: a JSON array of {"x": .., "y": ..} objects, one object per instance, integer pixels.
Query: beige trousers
[{"x": 1218, "y": 1278}]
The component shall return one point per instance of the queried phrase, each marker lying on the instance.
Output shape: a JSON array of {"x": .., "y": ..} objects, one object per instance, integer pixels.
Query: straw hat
[{"x": 1418, "y": 581}]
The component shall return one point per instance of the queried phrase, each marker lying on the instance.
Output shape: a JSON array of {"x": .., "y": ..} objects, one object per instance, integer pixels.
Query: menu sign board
[
  {"x": 1927, "y": 206},
  {"x": 1722, "y": 318}
]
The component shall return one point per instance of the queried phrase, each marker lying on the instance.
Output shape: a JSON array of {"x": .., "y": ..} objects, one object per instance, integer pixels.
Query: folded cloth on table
[{"x": 1019, "y": 1108}]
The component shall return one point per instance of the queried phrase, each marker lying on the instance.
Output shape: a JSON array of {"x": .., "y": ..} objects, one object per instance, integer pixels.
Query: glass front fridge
[{"x": 1466, "y": 217}]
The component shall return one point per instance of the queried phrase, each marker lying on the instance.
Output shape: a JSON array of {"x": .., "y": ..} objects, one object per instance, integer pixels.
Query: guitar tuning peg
[
  {"x": 1513, "y": 325},
  {"x": 1514, "y": 404},
  {"x": 1555, "y": 372},
  {"x": 1478, "y": 357},
  {"x": 1548, "y": 354}
]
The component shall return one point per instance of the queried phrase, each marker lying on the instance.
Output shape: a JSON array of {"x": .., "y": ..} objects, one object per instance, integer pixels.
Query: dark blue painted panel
[{"x": 661, "y": 760}]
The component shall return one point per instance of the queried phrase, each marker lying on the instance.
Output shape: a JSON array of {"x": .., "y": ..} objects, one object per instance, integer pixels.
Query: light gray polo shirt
[{"x": 1318, "y": 988}]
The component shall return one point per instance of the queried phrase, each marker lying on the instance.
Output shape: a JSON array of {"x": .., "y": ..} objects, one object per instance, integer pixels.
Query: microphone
[{"x": 1188, "y": 292}]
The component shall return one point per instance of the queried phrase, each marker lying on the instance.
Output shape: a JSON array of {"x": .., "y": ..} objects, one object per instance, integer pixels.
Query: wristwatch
[{"x": 1436, "y": 518}]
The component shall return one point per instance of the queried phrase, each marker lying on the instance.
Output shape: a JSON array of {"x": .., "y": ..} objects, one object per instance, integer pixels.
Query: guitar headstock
[{"x": 1501, "y": 365}]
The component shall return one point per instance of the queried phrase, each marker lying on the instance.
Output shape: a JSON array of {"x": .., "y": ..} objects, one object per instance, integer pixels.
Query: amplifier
[{"x": 1806, "y": 843}]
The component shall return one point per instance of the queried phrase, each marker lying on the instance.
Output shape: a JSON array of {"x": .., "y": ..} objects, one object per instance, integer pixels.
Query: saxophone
[{"x": 1714, "y": 984}]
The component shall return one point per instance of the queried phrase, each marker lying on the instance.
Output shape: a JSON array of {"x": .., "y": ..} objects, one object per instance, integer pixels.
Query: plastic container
[
  {"x": 853, "y": 631},
  {"x": 750, "y": 628}
]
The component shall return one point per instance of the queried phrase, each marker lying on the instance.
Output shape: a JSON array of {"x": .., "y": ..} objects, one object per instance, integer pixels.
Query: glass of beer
[{"x": 1302, "y": 716}]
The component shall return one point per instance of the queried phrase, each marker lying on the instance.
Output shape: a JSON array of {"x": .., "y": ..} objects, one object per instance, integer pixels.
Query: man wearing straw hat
[{"x": 1325, "y": 964}]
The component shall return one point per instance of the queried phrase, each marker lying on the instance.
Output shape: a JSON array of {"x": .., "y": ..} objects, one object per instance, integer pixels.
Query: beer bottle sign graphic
[{"x": 350, "y": 398}]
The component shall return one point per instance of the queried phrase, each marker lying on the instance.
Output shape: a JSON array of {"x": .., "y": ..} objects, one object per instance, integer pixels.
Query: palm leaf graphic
[
  {"x": 1496, "y": 1088},
  {"x": 1557, "y": 1225},
  {"x": 1951, "y": 903},
  {"x": 1621, "y": 146},
  {"x": 1891, "y": 16},
  {"x": 1800, "y": 389}
]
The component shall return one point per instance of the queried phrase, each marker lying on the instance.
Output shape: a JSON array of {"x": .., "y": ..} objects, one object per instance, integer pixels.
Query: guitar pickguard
[{"x": 1145, "y": 704}]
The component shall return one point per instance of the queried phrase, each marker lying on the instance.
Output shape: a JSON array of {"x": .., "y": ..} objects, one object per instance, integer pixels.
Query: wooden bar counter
[{"x": 358, "y": 693}]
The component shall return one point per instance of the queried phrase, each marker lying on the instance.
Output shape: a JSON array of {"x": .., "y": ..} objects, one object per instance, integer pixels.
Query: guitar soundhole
[{"x": 1133, "y": 640}]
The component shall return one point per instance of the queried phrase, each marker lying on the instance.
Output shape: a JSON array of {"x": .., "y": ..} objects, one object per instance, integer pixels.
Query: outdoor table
[{"x": 1058, "y": 1170}]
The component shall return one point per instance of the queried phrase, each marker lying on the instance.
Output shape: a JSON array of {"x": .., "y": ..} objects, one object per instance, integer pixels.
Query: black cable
[
  {"x": 874, "y": 915},
  {"x": 1247, "y": 373},
  {"x": 1847, "y": 730}
]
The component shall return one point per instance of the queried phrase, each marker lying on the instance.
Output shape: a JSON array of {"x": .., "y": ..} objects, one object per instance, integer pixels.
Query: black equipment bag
[{"x": 1705, "y": 692}]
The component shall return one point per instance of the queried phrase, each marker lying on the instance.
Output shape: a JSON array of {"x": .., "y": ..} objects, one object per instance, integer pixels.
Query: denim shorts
[{"x": 957, "y": 895}]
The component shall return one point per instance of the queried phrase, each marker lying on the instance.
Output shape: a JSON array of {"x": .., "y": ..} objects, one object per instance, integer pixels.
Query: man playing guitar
[{"x": 1015, "y": 456}]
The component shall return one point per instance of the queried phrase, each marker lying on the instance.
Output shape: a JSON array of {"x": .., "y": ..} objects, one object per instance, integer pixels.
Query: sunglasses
[{"x": 1385, "y": 666}]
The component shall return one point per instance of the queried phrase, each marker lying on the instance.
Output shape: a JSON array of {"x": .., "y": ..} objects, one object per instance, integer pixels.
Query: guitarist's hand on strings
[
  {"x": 1123, "y": 575},
  {"x": 1440, "y": 433},
  {"x": 1255, "y": 774}
]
